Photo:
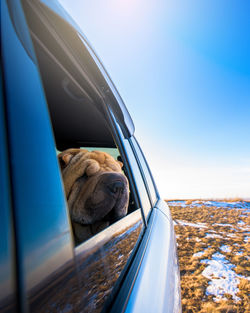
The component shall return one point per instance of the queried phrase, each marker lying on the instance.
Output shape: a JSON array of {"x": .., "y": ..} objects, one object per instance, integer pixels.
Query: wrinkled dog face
[{"x": 96, "y": 188}]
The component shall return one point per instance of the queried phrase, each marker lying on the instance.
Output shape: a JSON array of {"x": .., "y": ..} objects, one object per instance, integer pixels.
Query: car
[{"x": 56, "y": 94}]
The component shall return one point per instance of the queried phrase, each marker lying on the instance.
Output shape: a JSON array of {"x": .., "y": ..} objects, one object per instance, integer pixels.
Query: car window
[
  {"x": 103, "y": 248},
  {"x": 145, "y": 171}
]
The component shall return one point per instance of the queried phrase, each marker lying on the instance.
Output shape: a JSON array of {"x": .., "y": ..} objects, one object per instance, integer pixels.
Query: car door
[{"x": 45, "y": 273}]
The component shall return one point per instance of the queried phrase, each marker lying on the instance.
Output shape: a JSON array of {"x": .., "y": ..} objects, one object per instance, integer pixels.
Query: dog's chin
[
  {"x": 84, "y": 232},
  {"x": 90, "y": 226},
  {"x": 109, "y": 210}
]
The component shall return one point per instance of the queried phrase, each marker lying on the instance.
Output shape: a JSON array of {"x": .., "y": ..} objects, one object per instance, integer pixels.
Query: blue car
[{"x": 55, "y": 95}]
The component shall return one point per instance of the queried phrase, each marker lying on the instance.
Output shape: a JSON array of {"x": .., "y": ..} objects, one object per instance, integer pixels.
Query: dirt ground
[{"x": 214, "y": 249}]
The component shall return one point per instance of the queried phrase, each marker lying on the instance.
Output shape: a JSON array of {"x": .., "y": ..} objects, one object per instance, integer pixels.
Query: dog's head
[{"x": 96, "y": 188}]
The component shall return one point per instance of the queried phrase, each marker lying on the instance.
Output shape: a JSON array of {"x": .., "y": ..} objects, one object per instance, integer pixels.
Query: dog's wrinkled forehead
[{"x": 92, "y": 162}]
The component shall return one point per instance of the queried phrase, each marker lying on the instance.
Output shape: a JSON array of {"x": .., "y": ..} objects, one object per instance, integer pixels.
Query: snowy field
[{"x": 214, "y": 249}]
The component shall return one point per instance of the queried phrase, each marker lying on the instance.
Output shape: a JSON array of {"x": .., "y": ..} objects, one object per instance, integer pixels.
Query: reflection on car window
[{"x": 101, "y": 260}]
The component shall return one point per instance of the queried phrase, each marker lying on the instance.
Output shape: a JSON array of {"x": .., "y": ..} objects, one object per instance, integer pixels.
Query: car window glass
[
  {"x": 101, "y": 261},
  {"x": 145, "y": 171}
]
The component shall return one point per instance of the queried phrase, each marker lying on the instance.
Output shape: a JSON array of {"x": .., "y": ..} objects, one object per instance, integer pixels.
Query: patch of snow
[
  {"x": 241, "y": 223},
  {"x": 208, "y": 202},
  {"x": 225, "y": 248},
  {"x": 197, "y": 239},
  {"x": 177, "y": 203},
  {"x": 213, "y": 236},
  {"x": 221, "y": 224},
  {"x": 199, "y": 254},
  {"x": 197, "y": 225},
  {"x": 231, "y": 235},
  {"x": 222, "y": 278},
  {"x": 246, "y": 239},
  {"x": 239, "y": 253}
]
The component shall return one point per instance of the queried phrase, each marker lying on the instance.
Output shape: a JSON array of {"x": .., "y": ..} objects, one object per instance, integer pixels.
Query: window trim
[
  {"x": 153, "y": 204},
  {"x": 120, "y": 302},
  {"x": 118, "y": 138}
]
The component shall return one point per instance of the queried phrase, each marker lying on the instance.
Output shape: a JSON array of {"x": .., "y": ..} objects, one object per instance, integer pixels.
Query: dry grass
[{"x": 223, "y": 225}]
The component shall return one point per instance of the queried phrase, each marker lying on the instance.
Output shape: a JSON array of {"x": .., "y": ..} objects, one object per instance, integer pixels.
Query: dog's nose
[{"x": 116, "y": 187}]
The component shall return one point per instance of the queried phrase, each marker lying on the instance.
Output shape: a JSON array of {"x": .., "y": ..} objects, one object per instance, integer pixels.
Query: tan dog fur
[{"x": 97, "y": 191}]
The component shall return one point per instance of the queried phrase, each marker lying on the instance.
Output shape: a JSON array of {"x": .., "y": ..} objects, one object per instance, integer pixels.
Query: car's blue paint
[
  {"x": 162, "y": 206},
  {"x": 43, "y": 240},
  {"x": 7, "y": 248}
]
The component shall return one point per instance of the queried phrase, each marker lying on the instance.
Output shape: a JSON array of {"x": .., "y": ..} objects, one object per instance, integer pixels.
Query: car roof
[{"x": 76, "y": 84}]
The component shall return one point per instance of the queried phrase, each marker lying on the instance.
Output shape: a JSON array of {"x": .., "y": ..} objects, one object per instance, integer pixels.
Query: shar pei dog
[{"x": 97, "y": 191}]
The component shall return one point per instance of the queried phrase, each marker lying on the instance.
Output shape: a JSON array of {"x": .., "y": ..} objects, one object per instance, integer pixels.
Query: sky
[{"x": 183, "y": 71}]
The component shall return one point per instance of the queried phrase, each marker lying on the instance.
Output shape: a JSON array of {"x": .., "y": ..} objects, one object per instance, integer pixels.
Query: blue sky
[{"x": 183, "y": 71}]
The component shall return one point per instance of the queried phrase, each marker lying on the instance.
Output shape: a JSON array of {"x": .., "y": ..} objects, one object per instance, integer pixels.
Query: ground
[{"x": 214, "y": 249}]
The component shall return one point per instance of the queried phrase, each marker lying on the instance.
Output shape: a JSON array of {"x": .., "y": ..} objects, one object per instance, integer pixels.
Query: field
[{"x": 214, "y": 254}]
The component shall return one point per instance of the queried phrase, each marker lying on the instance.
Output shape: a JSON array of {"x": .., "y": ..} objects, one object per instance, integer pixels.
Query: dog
[{"x": 96, "y": 189}]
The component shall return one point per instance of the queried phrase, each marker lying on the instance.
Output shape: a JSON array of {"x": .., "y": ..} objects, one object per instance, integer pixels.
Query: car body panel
[
  {"x": 155, "y": 286},
  {"x": 44, "y": 242}
]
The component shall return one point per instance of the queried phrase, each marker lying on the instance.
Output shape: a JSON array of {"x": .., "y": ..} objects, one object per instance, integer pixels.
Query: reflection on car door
[{"x": 43, "y": 237}]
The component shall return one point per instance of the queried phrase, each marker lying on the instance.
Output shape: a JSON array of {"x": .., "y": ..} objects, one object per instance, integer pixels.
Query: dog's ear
[
  {"x": 65, "y": 159},
  {"x": 119, "y": 160},
  {"x": 120, "y": 163},
  {"x": 65, "y": 156}
]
